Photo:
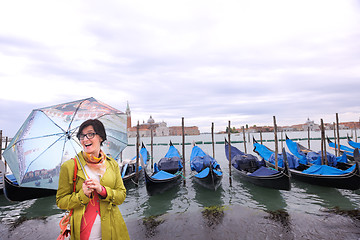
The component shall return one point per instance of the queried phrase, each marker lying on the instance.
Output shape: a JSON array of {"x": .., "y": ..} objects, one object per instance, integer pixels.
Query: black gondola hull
[
  {"x": 212, "y": 181},
  {"x": 130, "y": 179},
  {"x": 350, "y": 181},
  {"x": 280, "y": 181},
  {"x": 16, "y": 193},
  {"x": 156, "y": 186}
]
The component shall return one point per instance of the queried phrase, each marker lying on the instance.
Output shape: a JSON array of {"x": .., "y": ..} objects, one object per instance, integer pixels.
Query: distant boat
[
  {"x": 317, "y": 174},
  {"x": 167, "y": 173},
  {"x": 249, "y": 168},
  {"x": 209, "y": 173}
]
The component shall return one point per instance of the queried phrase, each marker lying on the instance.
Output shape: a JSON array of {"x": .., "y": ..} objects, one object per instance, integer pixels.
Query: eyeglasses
[{"x": 88, "y": 135}]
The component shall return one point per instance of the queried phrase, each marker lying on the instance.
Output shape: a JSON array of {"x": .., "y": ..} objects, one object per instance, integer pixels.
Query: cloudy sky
[{"x": 207, "y": 61}]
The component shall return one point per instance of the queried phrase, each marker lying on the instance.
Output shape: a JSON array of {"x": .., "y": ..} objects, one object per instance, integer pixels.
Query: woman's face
[{"x": 92, "y": 145}]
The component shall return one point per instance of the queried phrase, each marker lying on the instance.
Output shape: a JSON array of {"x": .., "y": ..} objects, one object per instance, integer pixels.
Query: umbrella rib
[
  {"x": 62, "y": 154},
  {"x": 42, "y": 153},
  {"x": 105, "y": 114},
  {"x": 44, "y": 136},
  {"x": 114, "y": 114},
  {"x": 115, "y": 157},
  {"x": 77, "y": 109},
  {"x": 71, "y": 145},
  {"x": 51, "y": 120}
]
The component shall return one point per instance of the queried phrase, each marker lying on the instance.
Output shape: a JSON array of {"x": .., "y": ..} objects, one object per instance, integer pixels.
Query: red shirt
[{"x": 91, "y": 211}]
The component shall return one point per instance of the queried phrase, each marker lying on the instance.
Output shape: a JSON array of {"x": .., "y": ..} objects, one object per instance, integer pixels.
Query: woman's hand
[
  {"x": 94, "y": 185},
  {"x": 87, "y": 191}
]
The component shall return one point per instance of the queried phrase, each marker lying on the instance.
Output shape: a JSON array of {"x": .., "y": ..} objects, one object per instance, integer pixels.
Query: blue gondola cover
[
  {"x": 161, "y": 175},
  {"x": 199, "y": 160},
  {"x": 292, "y": 160},
  {"x": 327, "y": 170}
]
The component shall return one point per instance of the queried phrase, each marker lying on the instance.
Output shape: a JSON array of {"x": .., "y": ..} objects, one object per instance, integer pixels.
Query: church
[{"x": 157, "y": 128}]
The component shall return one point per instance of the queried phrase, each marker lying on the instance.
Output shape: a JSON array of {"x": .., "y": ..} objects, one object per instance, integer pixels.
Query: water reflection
[
  {"x": 159, "y": 204},
  {"x": 208, "y": 198},
  {"x": 135, "y": 198},
  {"x": 10, "y": 212},
  {"x": 325, "y": 197},
  {"x": 266, "y": 198}
]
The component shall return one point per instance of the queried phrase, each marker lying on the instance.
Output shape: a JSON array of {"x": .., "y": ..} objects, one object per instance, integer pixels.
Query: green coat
[{"x": 112, "y": 223}]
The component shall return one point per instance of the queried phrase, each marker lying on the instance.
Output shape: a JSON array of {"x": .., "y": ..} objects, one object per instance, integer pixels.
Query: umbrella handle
[{"x": 82, "y": 168}]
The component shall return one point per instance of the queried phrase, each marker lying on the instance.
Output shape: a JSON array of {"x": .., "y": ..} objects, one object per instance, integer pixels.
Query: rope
[
  {"x": 137, "y": 184},
  {"x": 191, "y": 175}
]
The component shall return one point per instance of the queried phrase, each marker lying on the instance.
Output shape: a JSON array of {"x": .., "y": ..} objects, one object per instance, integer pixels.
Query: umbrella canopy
[{"x": 48, "y": 138}]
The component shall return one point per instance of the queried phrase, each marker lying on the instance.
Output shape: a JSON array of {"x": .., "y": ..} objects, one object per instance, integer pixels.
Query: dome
[{"x": 151, "y": 120}]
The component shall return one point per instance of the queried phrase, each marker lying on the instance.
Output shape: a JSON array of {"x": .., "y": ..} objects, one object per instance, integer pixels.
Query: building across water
[{"x": 158, "y": 128}]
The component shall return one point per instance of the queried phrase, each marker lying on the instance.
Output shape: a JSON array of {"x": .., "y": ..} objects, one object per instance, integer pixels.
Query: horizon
[{"x": 206, "y": 61}]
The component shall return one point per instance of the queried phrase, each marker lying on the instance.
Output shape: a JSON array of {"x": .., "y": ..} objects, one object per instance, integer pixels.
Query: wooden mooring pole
[
  {"x": 152, "y": 149},
  {"x": 247, "y": 131},
  {"x": 334, "y": 126},
  {"x": 243, "y": 130},
  {"x": 338, "y": 133},
  {"x": 323, "y": 144},
  {"x": 309, "y": 137},
  {"x": 276, "y": 145},
  {"x": 6, "y": 143},
  {"x": 355, "y": 134},
  {"x": 183, "y": 148},
  {"x": 137, "y": 153},
  {"x": 212, "y": 139},
  {"x": 229, "y": 133}
]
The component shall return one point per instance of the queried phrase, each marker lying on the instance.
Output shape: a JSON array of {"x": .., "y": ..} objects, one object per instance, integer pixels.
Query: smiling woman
[
  {"x": 91, "y": 135},
  {"x": 94, "y": 202}
]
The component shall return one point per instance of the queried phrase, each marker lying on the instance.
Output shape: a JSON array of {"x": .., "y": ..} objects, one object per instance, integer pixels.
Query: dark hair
[{"x": 98, "y": 128}]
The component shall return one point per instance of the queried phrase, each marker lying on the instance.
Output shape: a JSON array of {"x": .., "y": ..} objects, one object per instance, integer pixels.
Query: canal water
[{"x": 239, "y": 211}]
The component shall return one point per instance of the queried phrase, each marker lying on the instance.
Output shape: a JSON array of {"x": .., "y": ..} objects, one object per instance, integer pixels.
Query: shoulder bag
[{"x": 65, "y": 221}]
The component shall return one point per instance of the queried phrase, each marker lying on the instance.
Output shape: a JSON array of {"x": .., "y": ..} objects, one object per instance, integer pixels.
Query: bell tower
[{"x": 128, "y": 114}]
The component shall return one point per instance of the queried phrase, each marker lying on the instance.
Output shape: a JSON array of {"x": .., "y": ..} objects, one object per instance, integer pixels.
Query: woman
[{"x": 99, "y": 188}]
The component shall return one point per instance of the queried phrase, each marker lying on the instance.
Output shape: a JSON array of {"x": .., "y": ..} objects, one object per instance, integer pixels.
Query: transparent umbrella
[{"x": 48, "y": 138}]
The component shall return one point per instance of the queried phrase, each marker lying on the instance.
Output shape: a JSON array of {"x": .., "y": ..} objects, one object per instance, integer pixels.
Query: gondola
[
  {"x": 249, "y": 168},
  {"x": 128, "y": 167},
  {"x": 308, "y": 156},
  {"x": 167, "y": 173},
  {"x": 348, "y": 179},
  {"x": 207, "y": 169},
  {"x": 352, "y": 143},
  {"x": 13, "y": 192},
  {"x": 343, "y": 149}
]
